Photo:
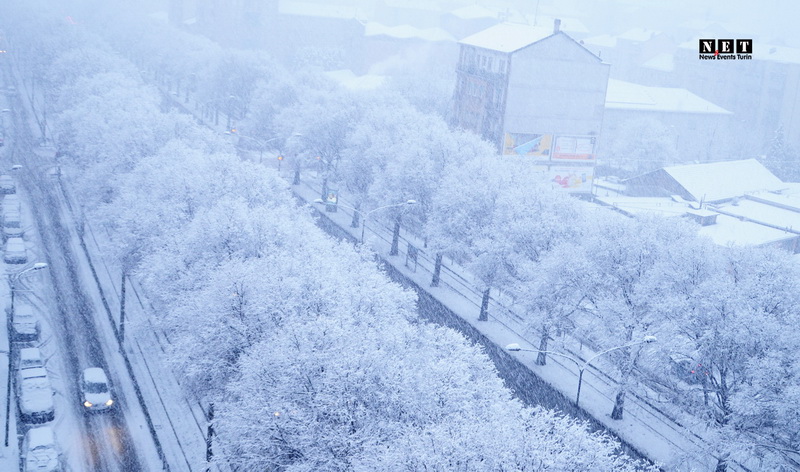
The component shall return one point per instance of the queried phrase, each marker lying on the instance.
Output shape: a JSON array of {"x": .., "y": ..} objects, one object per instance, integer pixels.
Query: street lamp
[
  {"x": 514, "y": 347},
  {"x": 13, "y": 277},
  {"x": 12, "y": 282},
  {"x": 365, "y": 215}
]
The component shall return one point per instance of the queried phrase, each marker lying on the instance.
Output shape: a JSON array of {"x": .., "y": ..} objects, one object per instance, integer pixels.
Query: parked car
[
  {"x": 25, "y": 324},
  {"x": 15, "y": 252},
  {"x": 35, "y": 396},
  {"x": 7, "y": 184},
  {"x": 30, "y": 357},
  {"x": 12, "y": 223},
  {"x": 40, "y": 451},
  {"x": 11, "y": 203},
  {"x": 95, "y": 390}
]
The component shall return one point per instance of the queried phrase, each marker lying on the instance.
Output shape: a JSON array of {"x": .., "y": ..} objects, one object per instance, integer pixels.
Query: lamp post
[
  {"x": 12, "y": 282},
  {"x": 514, "y": 347},
  {"x": 13, "y": 277},
  {"x": 365, "y": 215}
]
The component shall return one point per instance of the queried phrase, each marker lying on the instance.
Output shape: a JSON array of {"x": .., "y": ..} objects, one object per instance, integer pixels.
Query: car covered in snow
[
  {"x": 12, "y": 223},
  {"x": 11, "y": 203},
  {"x": 25, "y": 326},
  {"x": 15, "y": 252},
  {"x": 95, "y": 390},
  {"x": 7, "y": 184},
  {"x": 30, "y": 357},
  {"x": 35, "y": 397},
  {"x": 40, "y": 452}
]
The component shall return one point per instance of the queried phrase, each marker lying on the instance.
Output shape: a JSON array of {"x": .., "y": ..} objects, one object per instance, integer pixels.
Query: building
[
  {"x": 533, "y": 92},
  {"x": 646, "y": 127}
]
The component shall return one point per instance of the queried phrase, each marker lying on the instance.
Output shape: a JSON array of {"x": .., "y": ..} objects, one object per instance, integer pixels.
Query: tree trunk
[
  {"x": 619, "y": 401},
  {"x": 484, "y": 316},
  {"x": 395, "y": 238},
  {"x": 296, "y": 180},
  {"x": 619, "y": 404},
  {"x": 122, "y": 311},
  {"x": 210, "y": 432},
  {"x": 541, "y": 358},
  {"x": 437, "y": 270},
  {"x": 356, "y": 217}
]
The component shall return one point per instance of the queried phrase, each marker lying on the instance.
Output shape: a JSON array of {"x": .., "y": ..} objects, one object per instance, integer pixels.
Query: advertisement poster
[
  {"x": 529, "y": 145},
  {"x": 573, "y": 179},
  {"x": 574, "y": 148}
]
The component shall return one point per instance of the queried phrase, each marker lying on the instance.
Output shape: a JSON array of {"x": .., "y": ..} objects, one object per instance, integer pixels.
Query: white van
[{"x": 15, "y": 252}]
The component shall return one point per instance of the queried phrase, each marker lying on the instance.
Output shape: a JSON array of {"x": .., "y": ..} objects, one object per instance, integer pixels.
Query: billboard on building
[
  {"x": 537, "y": 146},
  {"x": 574, "y": 148},
  {"x": 573, "y": 179}
]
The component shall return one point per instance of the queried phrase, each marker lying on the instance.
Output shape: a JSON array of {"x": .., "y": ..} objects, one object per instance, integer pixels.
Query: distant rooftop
[
  {"x": 568, "y": 25},
  {"x": 508, "y": 37},
  {"x": 638, "y": 34},
  {"x": 725, "y": 231},
  {"x": 730, "y": 231},
  {"x": 724, "y": 180},
  {"x": 664, "y": 62},
  {"x": 323, "y": 10},
  {"x": 474, "y": 12},
  {"x": 605, "y": 40},
  {"x": 348, "y": 79},
  {"x": 630, "y": 96},
  {"x": 372, "y": 28}
]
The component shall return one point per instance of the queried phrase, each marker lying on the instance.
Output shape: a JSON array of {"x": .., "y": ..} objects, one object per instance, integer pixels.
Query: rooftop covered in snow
[
  {"x": 630, "y": 96},
  {"x": 507, "y": 37},
  {"x": 372, "y": 28},
  {"x": 710, "y": 182}
]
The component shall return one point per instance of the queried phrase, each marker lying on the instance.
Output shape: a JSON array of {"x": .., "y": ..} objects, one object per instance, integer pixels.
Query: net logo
[{"x": 726, "y": 49}]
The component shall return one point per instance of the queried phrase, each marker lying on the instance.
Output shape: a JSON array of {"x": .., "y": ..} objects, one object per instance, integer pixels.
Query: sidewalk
[{"x": 9, "y": 450}]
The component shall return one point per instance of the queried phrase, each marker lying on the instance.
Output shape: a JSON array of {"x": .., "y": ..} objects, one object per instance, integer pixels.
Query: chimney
[{"x": 556, "y": 25}]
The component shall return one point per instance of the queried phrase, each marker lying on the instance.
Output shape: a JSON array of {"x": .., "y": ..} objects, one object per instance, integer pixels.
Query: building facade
[{"x": 516, "y": 80}]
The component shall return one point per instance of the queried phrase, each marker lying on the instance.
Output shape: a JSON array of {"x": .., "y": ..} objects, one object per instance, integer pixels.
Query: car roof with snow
[
  {"x": 37, "y": 394},
  {"x": 42, "y": 454},
  {"x": 29, "y": 355},
  {"x": 15, "y": 244},
  {"x": 33, "y": 372},
  {"x": 41, "y": 436},
  {"x": 95, "y": 375},
  {"x": 22, "y": 309}
]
